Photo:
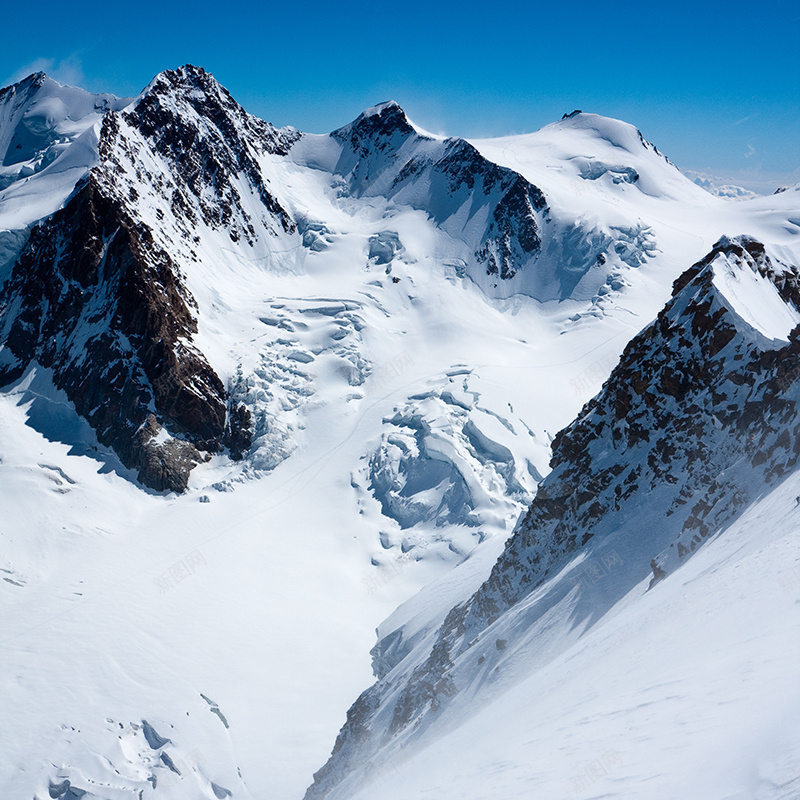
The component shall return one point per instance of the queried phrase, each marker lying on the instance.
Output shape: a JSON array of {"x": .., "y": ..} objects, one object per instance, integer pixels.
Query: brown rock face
[
  {"x": 699, "y": 417},
  {"x": 94, "y": 300},
  {"x": 98, "y": 294}
]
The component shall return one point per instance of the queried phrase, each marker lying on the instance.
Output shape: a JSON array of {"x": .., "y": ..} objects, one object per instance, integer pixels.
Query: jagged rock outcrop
[
  {"x": 99, "y": 293},
  {"x": 211, "y": 145},
  {"x": 494, "y": 208},
  {"x": 698, "y": 418},
  {"x": 92, "y": 299}
]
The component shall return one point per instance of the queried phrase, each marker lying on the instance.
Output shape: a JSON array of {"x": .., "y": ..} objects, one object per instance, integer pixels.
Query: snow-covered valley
[{"x": 267, "y": 393}]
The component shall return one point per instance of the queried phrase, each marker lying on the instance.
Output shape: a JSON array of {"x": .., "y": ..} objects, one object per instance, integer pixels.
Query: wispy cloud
[
  {"x": 751, "y": 151},
  {"x": 67, "y": 70}
]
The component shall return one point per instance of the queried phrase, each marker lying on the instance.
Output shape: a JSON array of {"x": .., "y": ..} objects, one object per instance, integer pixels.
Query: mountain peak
[
  {"x": 186, "y": 103},
  {"x": 381, "y": 121},
  {"x": 386, "y": 107},
  {"x": 186, "y": 77},
  {"x": 616, "y": 132},
  {"x": 32, "y": 82},
  {"x": 35, "y": 79},
  {"x": 762, "y": 292}
]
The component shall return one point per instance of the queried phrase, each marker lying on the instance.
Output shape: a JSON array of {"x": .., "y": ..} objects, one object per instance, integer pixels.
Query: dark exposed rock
[
  {"x": 95, "y": 301},
  {"x": 98, "y": 297},
  {"x": 513, "y": 235},
  {"x": 208, "y": 139},
  {"x": 238, "y": 431},
  {"x": 658, "y": 573},
  {"x": 698, "y": 418}
]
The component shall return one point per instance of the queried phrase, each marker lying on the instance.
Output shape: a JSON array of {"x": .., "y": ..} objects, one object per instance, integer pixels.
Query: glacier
[{"x": 307, "y": 435}]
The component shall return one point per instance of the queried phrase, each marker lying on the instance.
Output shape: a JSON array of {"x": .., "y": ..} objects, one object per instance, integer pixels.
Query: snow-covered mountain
[
  {"x": 491, "y": 210},
  {"x": 263, "y": 389},
  {"x": 41, "y": 120},
  {"x": 698, "y": 420},
  {"x": 108, "y": 310}
]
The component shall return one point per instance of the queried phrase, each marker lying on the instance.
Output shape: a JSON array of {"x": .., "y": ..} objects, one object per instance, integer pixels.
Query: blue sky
[{"x": 715, "y": 85}]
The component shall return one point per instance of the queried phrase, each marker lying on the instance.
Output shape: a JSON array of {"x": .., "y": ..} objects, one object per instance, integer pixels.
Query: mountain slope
[
  {"x": 687, "y": 690},
  {"x": 203, "y": 287},
  {"x": 697, "y": 419},
  {"x": 492, "y": 216},
  {"x": 108, "y": 310}
]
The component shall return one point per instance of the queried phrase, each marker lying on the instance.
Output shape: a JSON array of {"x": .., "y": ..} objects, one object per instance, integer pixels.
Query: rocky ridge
[
  {"x": 494, "y": 209},
  {"x": 697, "y": 419},
  {"x": 99, "y": 295}
]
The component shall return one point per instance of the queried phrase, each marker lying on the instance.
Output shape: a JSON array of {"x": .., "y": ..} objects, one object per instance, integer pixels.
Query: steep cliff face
[
  {"x": 186, "y": 122},
  {"x": 99, "y": 292},
  {"x": 699, "y": 417},
  {"x": 93, "y": 299},
  {"x": 493, "y": 210}
]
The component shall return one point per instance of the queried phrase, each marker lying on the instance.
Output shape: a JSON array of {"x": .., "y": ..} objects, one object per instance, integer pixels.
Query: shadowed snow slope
[
  {"x": 699, "y": 418},
  {"x": 267, "y": 392}
]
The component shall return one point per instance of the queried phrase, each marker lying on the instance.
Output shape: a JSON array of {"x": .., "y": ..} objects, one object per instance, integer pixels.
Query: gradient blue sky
[{"x": 715, "y": 85}]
